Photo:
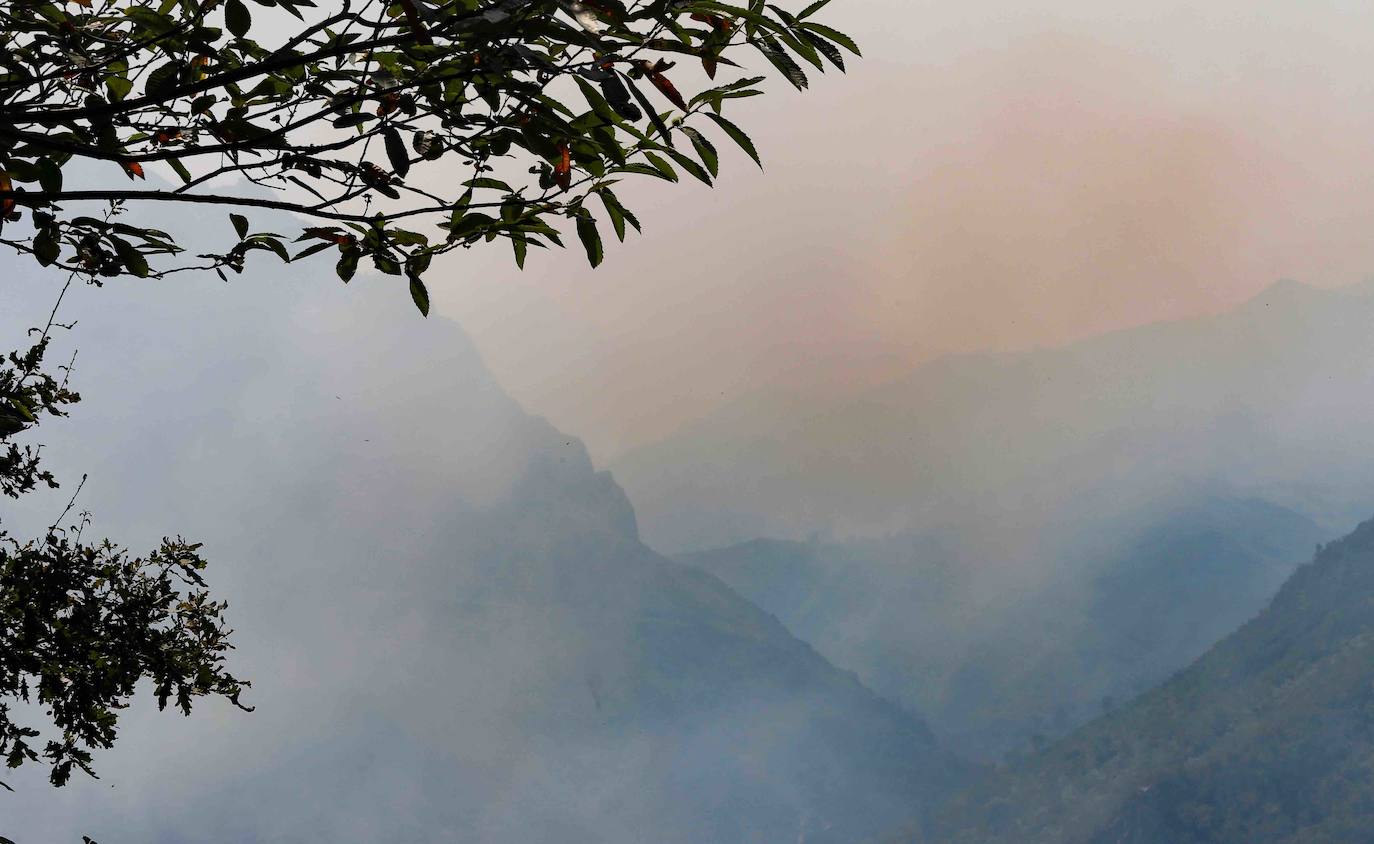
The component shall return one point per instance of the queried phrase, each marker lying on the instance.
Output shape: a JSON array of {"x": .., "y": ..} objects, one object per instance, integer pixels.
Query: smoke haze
[{"x": 990, "y": 176}]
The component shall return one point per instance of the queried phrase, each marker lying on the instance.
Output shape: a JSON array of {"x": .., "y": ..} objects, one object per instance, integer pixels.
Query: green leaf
[
  {"x": 617, "y": 219},
  {"x": 615, "y": 211},
  {"x": 830, "y": 51},
  {"x": 812, "y": 9},
  {"x": 163, "y": 79},
  {"x": 180, "y": 170},
  {"x": 151, "y": 20},
  {"x": 131, "y": 257},
  {"x": 686, "y": 163},
  {"x": 705, "y": 150},
  {"x": 484, "y": 182},
  {"x": 804, "y": 49},
  {"x": 348, "y": 265},
  {"x": 396, "y": 151},
  {"x": 318, "y": 247},
  {"x": 46, "y": 248},
  {"x": 352, "y": 119},
  {"x": 834, "y": 35},
  {"x": 118, "y": 86},
  {"x": 237, "y": 18},
  {"x": 784, "y": 62},
  {"x": 737, "y": 135},
  {"x": 24, "y": 412},
  {"x": 386, "y": 263},
  {"x": 240, "y": 225},
  {"x": 419, "y": 294},
  {"x": 664, "y": 168},
  {"x": 645, "y": 170},
  {"x": 276, "y": 246},
  {"x": 591, "y": 238},
  {"x": 599, "y": 105},
  {"x": 649, "y": 109}
]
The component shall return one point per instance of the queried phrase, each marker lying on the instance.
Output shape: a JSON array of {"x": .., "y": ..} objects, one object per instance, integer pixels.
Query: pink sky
[{"x": 994, "y": 175}]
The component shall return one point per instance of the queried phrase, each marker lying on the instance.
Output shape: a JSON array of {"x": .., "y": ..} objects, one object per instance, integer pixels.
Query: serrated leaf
[
  {"x": 738, "y": 136},
  {"x": 591, "y": 238},
  {"x": 804, "y": 49},
  {"x": 654, "y": 117},
  {"x": 812, "y": 9},
  {"x": 615, "y": 211},
  {"x": 642, "y": 169},
  {"x": 834, "y": 35},
  {"x": 663, "y": 167},
  {"x": 419, "y": 294},
  {"x": 779, "y": 58},
  {"x": 599, "y": 105},
  {"x": 706, "y": 151},
  {"x": 698, "y": 172},
  {"x": 825, "y": 48}
]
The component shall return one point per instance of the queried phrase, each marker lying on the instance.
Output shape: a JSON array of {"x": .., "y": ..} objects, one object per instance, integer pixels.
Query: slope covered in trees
[{"x": 1268, "y": 738}]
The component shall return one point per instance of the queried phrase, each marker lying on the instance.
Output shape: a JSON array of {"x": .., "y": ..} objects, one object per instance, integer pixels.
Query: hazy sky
[{"x": 991, "y": 175}]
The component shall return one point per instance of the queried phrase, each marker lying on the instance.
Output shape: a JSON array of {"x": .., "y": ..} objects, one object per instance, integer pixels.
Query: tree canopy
[
  {"x": 83, "y": 623},
  {"x": 395, "y": 131}
]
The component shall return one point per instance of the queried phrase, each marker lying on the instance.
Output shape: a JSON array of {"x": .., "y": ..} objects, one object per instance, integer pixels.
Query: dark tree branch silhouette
[{"x": 467, "y": 121}]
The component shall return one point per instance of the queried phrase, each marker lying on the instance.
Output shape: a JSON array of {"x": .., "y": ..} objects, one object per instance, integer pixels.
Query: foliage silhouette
[
  {"x": 82, "y": 624},
  {"x": 401, "y": 130}
]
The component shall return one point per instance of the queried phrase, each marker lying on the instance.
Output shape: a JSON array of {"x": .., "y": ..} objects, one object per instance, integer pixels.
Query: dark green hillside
[{"x": 1268, "y": 739}]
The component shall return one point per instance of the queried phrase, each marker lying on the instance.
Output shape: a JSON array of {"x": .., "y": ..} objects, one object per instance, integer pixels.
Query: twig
[{"x": 69, "y": 506}]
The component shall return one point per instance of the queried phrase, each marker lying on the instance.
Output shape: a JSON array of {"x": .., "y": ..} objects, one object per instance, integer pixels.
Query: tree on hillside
[{"x": 395, "y": 131}]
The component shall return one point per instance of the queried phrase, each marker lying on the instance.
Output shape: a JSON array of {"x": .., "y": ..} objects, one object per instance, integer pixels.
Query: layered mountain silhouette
[
  {"x": 452, "y": 627},
  {"x": 1267, "y": 738},
  {"x": 997, "y": 676},
  {"x": 456, "y": 632},
  {"x": 1269, "y": 400}
]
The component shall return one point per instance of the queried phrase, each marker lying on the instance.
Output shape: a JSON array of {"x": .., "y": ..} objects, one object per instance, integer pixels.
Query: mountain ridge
[
  {"x": 972, "y": 430},
  {"x": 1267, "y": 738}
]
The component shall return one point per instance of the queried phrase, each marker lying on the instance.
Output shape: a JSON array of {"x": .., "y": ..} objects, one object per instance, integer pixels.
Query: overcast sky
[{"x": 992, "y": 175}]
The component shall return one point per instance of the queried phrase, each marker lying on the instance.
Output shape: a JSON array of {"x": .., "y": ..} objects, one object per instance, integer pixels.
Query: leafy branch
[{"x": 539, "y": 105}]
